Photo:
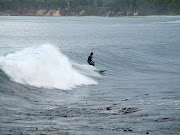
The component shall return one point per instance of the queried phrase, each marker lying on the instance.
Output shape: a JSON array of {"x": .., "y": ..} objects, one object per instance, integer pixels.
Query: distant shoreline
[
  {"x": 104, "y": 8},
  {"x": 82, "y": 13},
  {"x": 100, "y": 16}
]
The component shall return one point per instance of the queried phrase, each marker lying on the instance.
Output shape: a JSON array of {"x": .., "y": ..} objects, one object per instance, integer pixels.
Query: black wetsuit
[{"x": 90, "y": 60}]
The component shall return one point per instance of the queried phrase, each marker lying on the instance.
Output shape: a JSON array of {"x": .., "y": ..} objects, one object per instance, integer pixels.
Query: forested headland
[{"x": 89, "y": 7}]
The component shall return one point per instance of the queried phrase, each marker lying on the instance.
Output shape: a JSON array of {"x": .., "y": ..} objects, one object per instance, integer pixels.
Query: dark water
[{"x": 46, "y": 86}]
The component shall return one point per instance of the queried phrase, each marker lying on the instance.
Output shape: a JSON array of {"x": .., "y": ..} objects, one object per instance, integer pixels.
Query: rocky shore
[
  {"x": 41, "y": 12},
  {"x": 65, "y": 12}
]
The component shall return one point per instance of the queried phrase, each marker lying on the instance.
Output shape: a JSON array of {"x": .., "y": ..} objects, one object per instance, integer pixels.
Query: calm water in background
[{"x": 46, "y": 86}]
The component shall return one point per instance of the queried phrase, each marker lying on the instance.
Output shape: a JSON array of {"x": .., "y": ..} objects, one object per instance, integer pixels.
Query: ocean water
[{"x": 47, "y": 87}]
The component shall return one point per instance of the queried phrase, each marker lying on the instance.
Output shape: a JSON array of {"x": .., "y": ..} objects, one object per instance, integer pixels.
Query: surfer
[{"x": 90, "y": 59}]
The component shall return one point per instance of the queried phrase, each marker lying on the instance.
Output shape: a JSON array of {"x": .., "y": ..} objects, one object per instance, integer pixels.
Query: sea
[{"x": 48, "y": 88}]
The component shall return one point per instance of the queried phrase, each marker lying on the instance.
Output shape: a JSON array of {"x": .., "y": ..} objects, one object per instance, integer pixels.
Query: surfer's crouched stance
[{"x": 90, "y": 59}]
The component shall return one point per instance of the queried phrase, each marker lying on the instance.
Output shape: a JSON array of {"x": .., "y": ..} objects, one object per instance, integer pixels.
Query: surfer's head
[{"x": 91, "y": 53}]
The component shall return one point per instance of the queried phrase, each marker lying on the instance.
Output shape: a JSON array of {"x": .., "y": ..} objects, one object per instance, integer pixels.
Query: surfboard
[{"x": 100, "y": 71}]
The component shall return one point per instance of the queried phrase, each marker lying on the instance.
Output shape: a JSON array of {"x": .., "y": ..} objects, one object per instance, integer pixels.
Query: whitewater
[
  {"x": 47, "y": 86},
  {"x": 43, "y": 66}
]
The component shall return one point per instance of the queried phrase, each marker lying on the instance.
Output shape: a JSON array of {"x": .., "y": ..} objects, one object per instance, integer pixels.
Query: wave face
[
  {"x": 169, "y": 22},
  {"x": 43, "y": 66}
]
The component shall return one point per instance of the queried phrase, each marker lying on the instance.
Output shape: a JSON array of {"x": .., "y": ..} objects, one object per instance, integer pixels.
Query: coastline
[
  {"x": 140, "y": 16},
  {"x": 81, "y": 13}
]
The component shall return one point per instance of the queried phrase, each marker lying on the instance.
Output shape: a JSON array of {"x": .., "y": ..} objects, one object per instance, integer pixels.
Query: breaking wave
[{"x": 43, "y": 66}]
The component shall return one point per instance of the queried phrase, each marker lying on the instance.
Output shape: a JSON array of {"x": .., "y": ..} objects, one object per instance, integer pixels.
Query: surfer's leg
[{"x": 91, "y": 63}]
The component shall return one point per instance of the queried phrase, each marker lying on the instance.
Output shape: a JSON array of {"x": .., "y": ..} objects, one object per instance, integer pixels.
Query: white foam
[
  {"x": 43, "y": 66},
  {"x": 86, "y": 69},
  {"x": 171, "y": 22}
]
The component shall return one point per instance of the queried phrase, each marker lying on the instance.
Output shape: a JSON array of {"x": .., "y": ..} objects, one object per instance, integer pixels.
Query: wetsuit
[{"x": 90, "y": 60}]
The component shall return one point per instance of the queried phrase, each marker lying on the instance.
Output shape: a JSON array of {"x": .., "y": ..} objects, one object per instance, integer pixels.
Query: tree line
[
  {"x": 98, "y": 7},
  {"x": 146, "y": 7}
]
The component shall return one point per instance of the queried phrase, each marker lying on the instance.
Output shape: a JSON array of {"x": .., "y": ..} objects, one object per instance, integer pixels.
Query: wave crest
[{"x": 43, "y": 66}]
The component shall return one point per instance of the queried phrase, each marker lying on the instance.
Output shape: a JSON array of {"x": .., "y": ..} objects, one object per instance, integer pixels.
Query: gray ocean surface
[{"x": 47, "y": 87}]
